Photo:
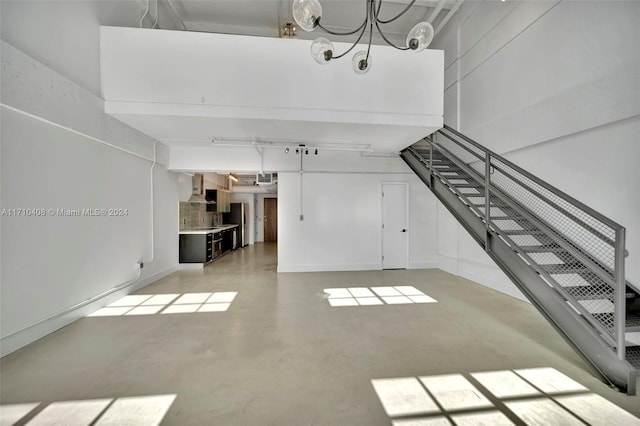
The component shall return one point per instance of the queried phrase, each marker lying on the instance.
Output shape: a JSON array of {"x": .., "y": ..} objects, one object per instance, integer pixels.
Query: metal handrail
[
  {"x": 596, "y": 267},
  {"x": 604, "y": 219},
  {"x": 520, "y": 176}
]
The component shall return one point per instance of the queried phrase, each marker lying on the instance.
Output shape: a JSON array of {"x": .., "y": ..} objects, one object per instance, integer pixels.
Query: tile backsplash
[{"x": 195, "y": 215}]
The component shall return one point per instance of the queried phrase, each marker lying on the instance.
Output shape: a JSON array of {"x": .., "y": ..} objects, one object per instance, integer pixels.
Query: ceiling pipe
[
  {"x": 283, "y": 145},
  {"x": 144, "y": 15},
  {"x": 261, "y": 154},
  {"x": 175, "y": 11}
]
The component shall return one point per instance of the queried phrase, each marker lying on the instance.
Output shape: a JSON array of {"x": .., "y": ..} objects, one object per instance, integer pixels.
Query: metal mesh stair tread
[
  {"x": 565, "y": 268},
  {"x": 522, "y": 232},
  {"x": 543, "y": 249},
  {"x": 459, "y": 176},
  {"x": 523, "y": 224},
  {"x": 633, "y": 356},
  {"x": 514, "y": 218},
  {"x": 632, "y": 323},
  {"x": 591, "y": 292},
  {"x": 469, "y": 185}
]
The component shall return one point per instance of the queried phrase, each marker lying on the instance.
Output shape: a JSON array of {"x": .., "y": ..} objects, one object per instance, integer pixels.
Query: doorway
[
  {"x": 270, "y": 220},
  {"x": 395, "y": 235}
]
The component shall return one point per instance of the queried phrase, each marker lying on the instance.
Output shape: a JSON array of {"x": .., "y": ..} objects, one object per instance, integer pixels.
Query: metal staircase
[{"x": 565, "y": 257}]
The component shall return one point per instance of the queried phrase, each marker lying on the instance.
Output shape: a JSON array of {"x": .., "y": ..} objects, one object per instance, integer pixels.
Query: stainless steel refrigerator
[{"x": 238, "y": 214}]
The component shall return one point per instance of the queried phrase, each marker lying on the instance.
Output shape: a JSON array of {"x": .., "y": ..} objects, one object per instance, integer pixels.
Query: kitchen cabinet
[
  {"x": 227, "y": 239},
  {"x": 203, "y": 246},
  {"x": 222, "y": 200},
  {"x": 196, "y": 248}
]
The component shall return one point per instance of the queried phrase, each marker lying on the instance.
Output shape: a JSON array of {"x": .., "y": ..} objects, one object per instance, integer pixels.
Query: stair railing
[{"x": 595, "y": 240}]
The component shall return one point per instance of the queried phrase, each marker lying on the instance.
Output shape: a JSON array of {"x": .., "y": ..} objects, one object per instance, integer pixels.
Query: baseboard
[
  {"x": 423, "y": 265},
  {"x": 191, "y": 266},
  {"x": 330, "y": 268},
  {"x": 19, "y": 340},
  {"x": 488, "y": 276},
  {"x": 448, "y": 264}
]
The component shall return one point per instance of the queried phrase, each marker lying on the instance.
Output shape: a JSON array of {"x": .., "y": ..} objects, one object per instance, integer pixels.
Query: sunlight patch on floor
[
  {"x": 363, "y": 296},
  {"x": 148, "y": 410},
  {"x": 533, "y": 396},
  {"x": 151, "y": 304}
]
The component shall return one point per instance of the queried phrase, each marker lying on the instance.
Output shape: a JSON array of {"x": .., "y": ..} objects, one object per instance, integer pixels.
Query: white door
[{"x": 395, "y": 233}]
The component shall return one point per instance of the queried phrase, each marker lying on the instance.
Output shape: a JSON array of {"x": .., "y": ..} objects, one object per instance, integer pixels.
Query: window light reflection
[
  {"x": 151, "y": 304},
  {"x": 363, "y": 296},
  {"x": 530, "y": 395},
  {"x": 147, "y": 410}
]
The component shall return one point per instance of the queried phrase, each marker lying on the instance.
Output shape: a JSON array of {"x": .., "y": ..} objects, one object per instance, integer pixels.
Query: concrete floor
[{"x": 281, "y": 355}]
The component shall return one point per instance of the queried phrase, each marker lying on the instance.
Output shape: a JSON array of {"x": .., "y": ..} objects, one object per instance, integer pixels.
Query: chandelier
[{"x": 308, "y": 14}]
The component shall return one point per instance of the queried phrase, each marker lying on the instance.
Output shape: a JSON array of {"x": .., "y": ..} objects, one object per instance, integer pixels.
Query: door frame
[{"x": 407, "y": 218}]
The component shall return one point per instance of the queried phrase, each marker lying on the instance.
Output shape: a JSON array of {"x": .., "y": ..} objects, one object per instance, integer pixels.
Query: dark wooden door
[{"x": 270, "y": 220}]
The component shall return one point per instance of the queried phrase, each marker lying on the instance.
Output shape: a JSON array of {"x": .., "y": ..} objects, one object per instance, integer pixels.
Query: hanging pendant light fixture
[{"x": 308, "y": 15}]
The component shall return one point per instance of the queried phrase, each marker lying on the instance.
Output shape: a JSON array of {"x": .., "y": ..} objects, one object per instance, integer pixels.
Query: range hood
[
  {"x": 197, "y": 190},
  {"x": 198, "y": 198}
]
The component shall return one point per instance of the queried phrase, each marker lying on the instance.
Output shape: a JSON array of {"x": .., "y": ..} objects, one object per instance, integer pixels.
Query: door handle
[{"x": 404, "y": 230}]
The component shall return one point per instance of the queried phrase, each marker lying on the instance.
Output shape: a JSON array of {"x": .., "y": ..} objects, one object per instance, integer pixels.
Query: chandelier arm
[
  {"x": 397, "y": 16},
  {"x": 340, "y": 33},
  {"x": 352, "y": 46},
  {"x": 370, "y": 37},
  {"x": 387, "y": 40}
]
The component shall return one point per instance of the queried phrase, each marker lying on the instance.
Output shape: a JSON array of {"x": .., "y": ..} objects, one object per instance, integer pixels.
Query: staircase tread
[
  {"x": 460, "y": 176},
  {"x": 543, "y": 249},
  {"x": 468, "y": 185},
  {"x": 564, "y": 268},
  {"x": 523, "y": 232},
  {"x": 524, "y": 225},
  {"x": 632, "y": 322},
  {"x": 633, "y": 356},
  {"x": 589, "y": 292}
]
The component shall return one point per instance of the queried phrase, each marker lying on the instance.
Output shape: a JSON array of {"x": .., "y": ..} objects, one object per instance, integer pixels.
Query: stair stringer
[{"x": 567, "y": 321}]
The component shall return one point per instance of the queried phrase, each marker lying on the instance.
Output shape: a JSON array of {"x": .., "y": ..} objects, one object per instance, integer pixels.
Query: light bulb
[
  {"x": 420, "y": 36},
  {"x": 360, "y": 63},
  {"x": 307, "y": 13},
  {"x": 322, "y": 50}
]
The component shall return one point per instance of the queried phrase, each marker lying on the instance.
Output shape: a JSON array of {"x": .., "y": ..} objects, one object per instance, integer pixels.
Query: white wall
[
  {"x": 554, "y": 87},
  {"x": 185, "y": 187},
  {"x": 52, "y": 160},
  {"x": 64, "y": 35},
  {"x": 161, "y": 83},
  {"x": 342, "y": 222}
]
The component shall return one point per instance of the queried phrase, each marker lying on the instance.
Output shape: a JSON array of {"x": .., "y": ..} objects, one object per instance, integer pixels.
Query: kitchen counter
[
  {"x": 209, "y": 230},
  {"x": 198, "y": 247}
]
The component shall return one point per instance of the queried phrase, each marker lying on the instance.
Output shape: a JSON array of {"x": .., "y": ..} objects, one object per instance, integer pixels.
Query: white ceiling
[{"x": 267, "y": 17}]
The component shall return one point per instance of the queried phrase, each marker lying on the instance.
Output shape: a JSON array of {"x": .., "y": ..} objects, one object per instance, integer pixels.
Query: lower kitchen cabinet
[
  {"x": 203, "y": 247},
  {"x": 196, "y": 248}
]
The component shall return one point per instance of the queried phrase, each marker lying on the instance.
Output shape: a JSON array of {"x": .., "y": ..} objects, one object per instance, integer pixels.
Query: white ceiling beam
[
  {"x": 449, "y": 15},
  {"x": 437, "y": 10},
  {"x": 424, "y": 3},
  {"x": 210, "y": 27}
]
